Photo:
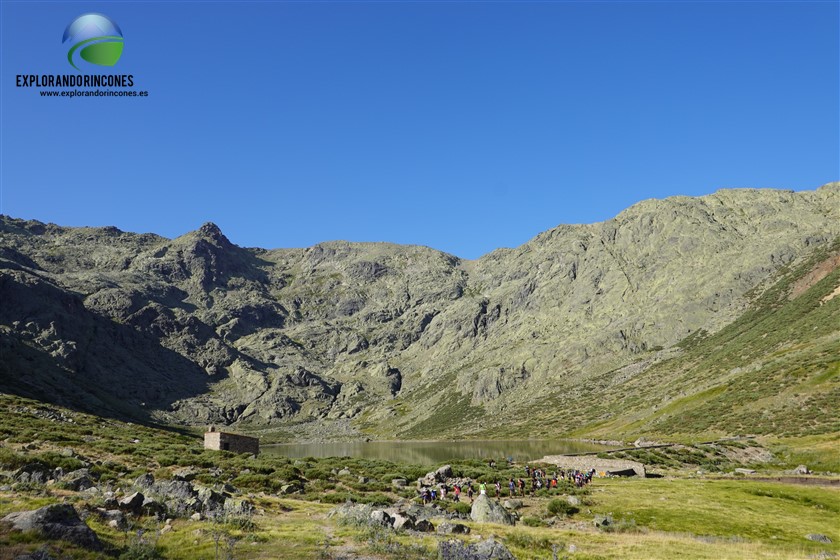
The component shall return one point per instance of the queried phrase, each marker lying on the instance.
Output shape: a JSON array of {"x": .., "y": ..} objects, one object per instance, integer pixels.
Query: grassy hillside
[
  {"x": 680, "y": 515},
  {"x": 773, "y": 372}
]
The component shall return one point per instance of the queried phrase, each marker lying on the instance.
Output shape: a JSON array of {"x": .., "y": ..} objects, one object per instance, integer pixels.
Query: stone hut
[{"x": 223, "y": 441}]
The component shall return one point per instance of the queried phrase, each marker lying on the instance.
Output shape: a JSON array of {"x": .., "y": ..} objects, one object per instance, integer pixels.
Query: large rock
[
  {"x": 379, "y": 517},
  {"x": 78, "y": 480},
  {"x": 403, "y": 522},
  {"x": 447, "y": 528},
  {"x": 818, "y": 537},
  {"x": 485, "y": 510},
  {"x": 33, "y": 473},
  {"x": 489, "y": 549},
  {"x": 132, "y": 503},
  {"x": 58, "y": 521}
]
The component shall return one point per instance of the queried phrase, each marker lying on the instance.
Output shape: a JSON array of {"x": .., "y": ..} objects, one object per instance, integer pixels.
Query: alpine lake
[{"x": 435, "y": 452}]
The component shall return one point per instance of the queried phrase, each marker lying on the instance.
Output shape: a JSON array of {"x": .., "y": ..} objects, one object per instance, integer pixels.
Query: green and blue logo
[{"x": 94, "y": 38}]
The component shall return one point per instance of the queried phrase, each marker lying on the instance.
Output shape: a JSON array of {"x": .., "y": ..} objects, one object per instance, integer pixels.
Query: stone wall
[{"x": 223, "y": 441}]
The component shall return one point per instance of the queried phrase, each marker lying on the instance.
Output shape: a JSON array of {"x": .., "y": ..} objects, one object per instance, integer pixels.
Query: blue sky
[{"x": 464, "y": 126}]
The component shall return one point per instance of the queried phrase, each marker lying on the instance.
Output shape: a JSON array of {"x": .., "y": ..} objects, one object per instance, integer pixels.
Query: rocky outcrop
[
  {"x": 485, "y": 510},
  {"x": 488, "y": 549},
  {"x": 59, "y": 522}
]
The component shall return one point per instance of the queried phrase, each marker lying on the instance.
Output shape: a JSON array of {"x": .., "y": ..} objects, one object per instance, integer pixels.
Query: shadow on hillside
[{"x": 54, "y": 350}]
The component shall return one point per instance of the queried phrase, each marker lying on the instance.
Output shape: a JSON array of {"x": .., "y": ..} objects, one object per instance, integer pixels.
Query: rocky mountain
[{"x": 346, "y": 340}]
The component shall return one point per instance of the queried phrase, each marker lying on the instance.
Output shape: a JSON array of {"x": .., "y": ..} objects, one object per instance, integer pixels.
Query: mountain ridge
[{"x": 375, "y": 339}]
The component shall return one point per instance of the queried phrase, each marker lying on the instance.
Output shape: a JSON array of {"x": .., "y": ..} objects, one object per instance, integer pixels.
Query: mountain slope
[{"x": 352, "y": 339}]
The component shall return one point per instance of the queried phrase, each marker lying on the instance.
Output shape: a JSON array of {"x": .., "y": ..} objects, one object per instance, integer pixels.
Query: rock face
[
  {"x": 198, "y": 330},
  {"x": 485, "y": 510},
  {"x": 58, "y": 521}
]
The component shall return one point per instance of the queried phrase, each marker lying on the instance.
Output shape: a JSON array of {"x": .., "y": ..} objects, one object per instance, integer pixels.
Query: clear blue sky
[{"x": 464, "y": 126}]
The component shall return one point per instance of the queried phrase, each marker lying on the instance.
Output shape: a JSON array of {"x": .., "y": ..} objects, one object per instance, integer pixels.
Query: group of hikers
[{"x": 534, "y": 479}]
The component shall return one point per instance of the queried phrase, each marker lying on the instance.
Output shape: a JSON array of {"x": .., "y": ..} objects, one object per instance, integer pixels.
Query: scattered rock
[
  {"x": 113, "y": 517},
  {"x": 424, "y": 526},
  {"x": 573, "y": 500},
  {"x": 512, "y": 504},
  {"x": 78, "y": 480},
  {"x": 57, "y": 521},
  {"x": 145, "y": 481},
  {"x": 448, "y": 528},
  {"x": 152, "y": 507},
  {"x": 380, "y": 517},
  {"x": 403, "y": 522},
  {"x": 290, "y": 488},
  {"x": 603, "y": 521},
  {"x": 344, "y": 472},
  {"x": 744, "y": 471},
  {"x": 132, "y": 503},
  {"x": 238, "y": 506},
  {"x": 34, "y": 473},
  {"x": 187, "y": 474},
  {"x": 196, "y": 516},
  {"x": 801, "y": 469},
  {"x": 488, "y": 549},
  {"x": 817, "y": 537},
  {"x": 484, "y": 510},
  {"x": 399, "y": 482}
]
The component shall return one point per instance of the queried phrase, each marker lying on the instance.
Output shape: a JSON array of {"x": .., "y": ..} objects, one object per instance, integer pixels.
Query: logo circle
[{"x": 94, "y": 38}]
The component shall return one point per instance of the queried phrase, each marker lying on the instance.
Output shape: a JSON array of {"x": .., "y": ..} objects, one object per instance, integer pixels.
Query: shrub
[
  {"x": 533, "y": 522},
  {"x": 561, "y": 507}
]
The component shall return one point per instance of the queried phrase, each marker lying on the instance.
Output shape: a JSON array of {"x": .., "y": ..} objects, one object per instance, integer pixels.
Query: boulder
[
  {"x": 603, "y": 521},
  {"x": 290, "y": 488},
  {"x": 817, "y": 537},
  {"x": 512, "y": 504},
  {"x": 113, "y": 518},
  {"x": 801, "y": 469},
  {"x": 78, "y": 480},
  {"x": 403, "y": 522},
  {"x": 145, "y": 481},
  {"x": 485, "y": 510},
  {"x": 488, "y": 549},
  {"x": 58, "y": 521},
  {"x": 399, "y": 483},
  {"x": 573, "y": 500},
  {"x": 238, "y": 506},
  {"x": 424, "y": 526},
  {"x": 439, "y": 475},
  {"x": 744, "y": 471},
  {"x": 187, "y": 474},
  {"x": 152, "y": 507},
  {"x": 132, "y": 503},
  {"x": 34, "y": 473},
  {"x": 379, "y": 517},
  {"x": 447, "y": 528},
  {"x": 211, "y": 499}
]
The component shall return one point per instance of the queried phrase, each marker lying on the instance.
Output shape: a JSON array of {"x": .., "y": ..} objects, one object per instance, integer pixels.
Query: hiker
[
  {"x": 511, "y": 485},
  {"x": 482, "y": 489},
  {"x": 470, "y": 491},
  {"x": 498, "y": 488}
]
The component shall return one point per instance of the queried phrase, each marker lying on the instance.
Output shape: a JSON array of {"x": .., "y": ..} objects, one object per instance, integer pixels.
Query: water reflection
[{"x": 432, "y": 452}]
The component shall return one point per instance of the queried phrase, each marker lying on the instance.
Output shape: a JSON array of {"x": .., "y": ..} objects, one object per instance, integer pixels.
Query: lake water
[{"x": 433, "y": 452}]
